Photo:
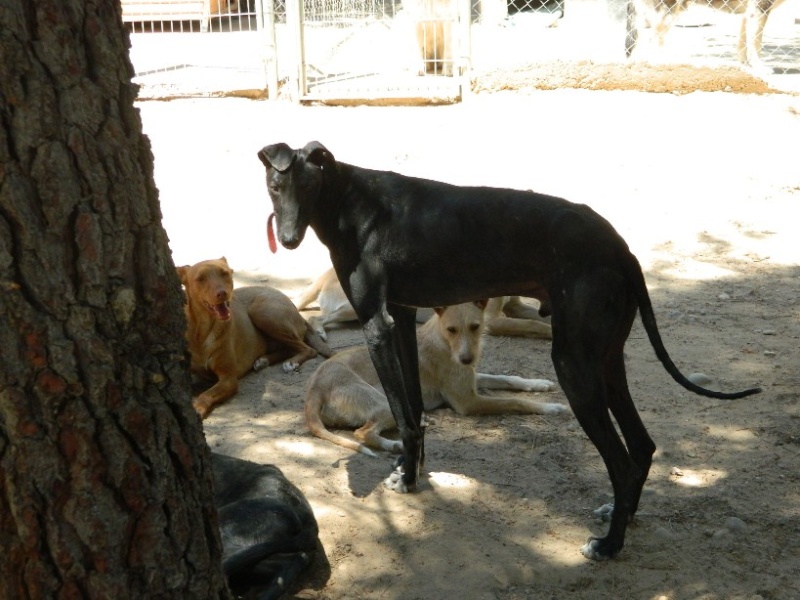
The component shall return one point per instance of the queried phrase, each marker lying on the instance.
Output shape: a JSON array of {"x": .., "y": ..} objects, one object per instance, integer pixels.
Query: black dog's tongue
[{"x": 273, "y": 246}]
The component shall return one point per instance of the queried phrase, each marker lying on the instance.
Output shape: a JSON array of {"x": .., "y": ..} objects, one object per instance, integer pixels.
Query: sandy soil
[{"x": 706, "y": 189}]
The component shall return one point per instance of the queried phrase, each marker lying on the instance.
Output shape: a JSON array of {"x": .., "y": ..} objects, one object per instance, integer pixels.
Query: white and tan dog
[
  {"x": 345, "y": 391},
  {"x": 662, "y": 14},
  {"x": 334, "y": 306},
  {"x": 505, "y": 315}
]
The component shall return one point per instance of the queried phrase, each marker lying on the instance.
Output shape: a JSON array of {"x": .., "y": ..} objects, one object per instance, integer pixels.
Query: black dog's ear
[
  {"x": 317, "y": 154},
  {"x": 278, "y": 156}
]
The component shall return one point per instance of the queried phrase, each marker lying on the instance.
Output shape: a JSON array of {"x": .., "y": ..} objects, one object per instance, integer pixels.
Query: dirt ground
[{"x": 705, "y": 187}]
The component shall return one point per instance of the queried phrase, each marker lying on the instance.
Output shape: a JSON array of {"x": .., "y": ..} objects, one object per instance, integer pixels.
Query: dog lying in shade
[
  {"x": 231, "y": 333},
  {"x": 268, "y": 529},
  {"x": 345, "y": 391}
]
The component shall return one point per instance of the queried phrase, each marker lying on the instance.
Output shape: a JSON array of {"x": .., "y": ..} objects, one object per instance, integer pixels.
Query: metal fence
[
  {"x": 203, "y": 47},
  {"x": 386, "y": 50}
]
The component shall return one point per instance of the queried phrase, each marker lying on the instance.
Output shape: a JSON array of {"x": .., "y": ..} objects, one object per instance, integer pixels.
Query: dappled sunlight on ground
[
  {"x": 696, "y": 479},
  {"x": 448, "y": 480}
]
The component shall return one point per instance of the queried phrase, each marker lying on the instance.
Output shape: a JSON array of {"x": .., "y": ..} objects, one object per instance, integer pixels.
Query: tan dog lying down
[
  {"x": 506, "y": 315},
  {"x": 345, "y": 391},
  {"x": 231, "y": 334}
]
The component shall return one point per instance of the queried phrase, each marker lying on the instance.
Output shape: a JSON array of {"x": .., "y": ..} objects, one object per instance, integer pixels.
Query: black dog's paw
[
  {"x": 395, "y": 482},
  {"x": 604, "y": 513},
  {"x": 599, "y": 549}
]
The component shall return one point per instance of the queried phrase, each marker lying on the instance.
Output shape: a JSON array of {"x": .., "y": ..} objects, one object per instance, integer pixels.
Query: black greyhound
[
  {"x": 400, "y": 242},
  {"x": 268, "y": 530}
]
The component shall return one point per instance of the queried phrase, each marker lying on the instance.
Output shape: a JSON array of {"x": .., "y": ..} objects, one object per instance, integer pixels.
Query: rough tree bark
[{"x": 104, "y": 474}]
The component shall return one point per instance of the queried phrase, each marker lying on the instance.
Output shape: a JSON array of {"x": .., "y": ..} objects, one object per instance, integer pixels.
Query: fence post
[
  {"x": 265, "y": 22},
  {"x": 464, "y": 57},
  {"x": 294, "y": 26}
]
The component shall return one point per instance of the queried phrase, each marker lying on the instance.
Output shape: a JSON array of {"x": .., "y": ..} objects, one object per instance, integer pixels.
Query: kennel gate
[{"x": 371, "y": 50}]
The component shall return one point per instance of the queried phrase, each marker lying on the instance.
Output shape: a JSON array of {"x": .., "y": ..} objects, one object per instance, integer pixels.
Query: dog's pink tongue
[
  {"x": 273, "y": 246},
  {"x": 222, "y": 310}
]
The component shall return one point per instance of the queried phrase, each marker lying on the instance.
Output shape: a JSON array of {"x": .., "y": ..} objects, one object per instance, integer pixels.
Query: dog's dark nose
[{"x": 290, "y": 243}]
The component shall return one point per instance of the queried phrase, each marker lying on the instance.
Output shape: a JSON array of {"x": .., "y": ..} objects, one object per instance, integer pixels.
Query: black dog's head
[{"x": 294, "y": 180}]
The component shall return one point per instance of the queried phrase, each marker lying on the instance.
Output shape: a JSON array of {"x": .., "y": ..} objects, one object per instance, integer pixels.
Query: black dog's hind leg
[
  {"x": 391, "y": 339},
  {"x": 591, "y": 322},
  {"x": 639, "y": 443}
]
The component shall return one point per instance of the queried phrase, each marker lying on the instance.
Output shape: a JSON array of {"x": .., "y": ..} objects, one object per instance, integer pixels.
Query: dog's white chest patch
[{"x": 209, "y": 345}]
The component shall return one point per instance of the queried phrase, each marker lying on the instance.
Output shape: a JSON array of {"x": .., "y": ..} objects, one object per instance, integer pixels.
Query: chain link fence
[{"x": 390, "y": 49}]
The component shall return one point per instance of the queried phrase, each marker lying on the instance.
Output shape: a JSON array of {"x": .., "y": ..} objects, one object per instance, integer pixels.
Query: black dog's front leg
[
  {"x": 392, "y": 344},
  {"x": 405, "y": 319}
]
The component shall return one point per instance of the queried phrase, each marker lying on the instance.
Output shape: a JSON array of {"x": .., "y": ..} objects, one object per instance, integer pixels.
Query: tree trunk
[{"x": 105, "y": 483}]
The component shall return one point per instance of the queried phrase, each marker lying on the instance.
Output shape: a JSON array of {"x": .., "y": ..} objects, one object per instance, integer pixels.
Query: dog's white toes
[
  {"x": 396, "y": 474},
  {"x": 554, "y": 408},
  {"x": 604, "y": 512},
  {"x": 260, "y": 363},
  {"x": 290, "y": 366},
  {"x": 395, "y": 481},
  {"x": 545, "y": 385},
  {"x": 590, "y": 550}
]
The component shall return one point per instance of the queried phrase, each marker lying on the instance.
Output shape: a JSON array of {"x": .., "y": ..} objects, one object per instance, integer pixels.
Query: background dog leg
[
  {"x": 489, "y": 405},
  {"x": 509, "y": 326},
  {"x": 370, "y": 433},
  {"x": 513, "y": 317},
  {"x": 512, "y": 382},
  {"x": 218, "y": 393}
]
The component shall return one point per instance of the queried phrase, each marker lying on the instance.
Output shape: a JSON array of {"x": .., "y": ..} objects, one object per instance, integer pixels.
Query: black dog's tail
[{"x": 650, "y": 326}]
